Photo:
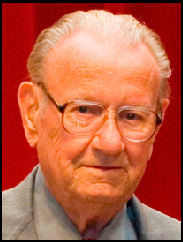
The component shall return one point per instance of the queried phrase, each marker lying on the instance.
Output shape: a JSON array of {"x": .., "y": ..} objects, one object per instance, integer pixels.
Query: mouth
[{"x": 105, "y": 168}]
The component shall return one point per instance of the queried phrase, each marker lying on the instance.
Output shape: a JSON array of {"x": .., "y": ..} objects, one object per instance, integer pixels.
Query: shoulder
[
  {"x": 17, "y": 210},
  {"x": 154, "y": 224}
]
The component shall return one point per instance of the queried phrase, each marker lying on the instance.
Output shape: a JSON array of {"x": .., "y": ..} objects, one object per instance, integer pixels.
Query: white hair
[{"x": 123, "y": 27}]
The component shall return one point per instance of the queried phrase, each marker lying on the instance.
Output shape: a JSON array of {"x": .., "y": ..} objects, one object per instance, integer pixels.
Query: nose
[{"x": 108, "y": 139}]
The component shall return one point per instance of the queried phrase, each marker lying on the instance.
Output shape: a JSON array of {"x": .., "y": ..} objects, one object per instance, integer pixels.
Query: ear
[
  {"x": 28, "y": 105},
  {"x": 164, "y": 104}
]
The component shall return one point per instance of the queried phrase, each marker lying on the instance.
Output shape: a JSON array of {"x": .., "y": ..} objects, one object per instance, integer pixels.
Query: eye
[
  {"x": 132, "y": 116},
  {"x": 129, "y": 115},
  {"x": 83, "y": 109},
  {"x": 87, "y": 109},
  {"x": 90, "y": 110}
]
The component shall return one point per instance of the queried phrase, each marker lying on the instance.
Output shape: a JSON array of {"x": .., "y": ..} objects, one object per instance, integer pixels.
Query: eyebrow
[
  {"x": 87, "y": 99},
  {"x": 145, "y": 106},
  {"x": 140, "y": 105}
]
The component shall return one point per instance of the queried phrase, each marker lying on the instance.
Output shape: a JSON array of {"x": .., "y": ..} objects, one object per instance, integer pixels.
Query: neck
[{"x": 90, "y": 218}]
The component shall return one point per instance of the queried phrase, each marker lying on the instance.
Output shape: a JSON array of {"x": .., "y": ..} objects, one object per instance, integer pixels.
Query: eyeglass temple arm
[
  {"x": 52, "y": 99},
  {"x": 159, "y": 117}
]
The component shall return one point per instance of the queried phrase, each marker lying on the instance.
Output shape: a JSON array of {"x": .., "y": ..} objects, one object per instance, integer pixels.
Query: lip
[{"x": 105, "y": 168}]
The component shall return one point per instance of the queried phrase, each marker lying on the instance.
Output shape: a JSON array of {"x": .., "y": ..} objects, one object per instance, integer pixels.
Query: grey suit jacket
[{"x": 18, "y": 216}]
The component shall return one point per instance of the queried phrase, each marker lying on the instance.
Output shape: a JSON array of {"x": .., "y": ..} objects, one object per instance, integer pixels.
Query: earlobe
[{"x": 28, "y": 107}]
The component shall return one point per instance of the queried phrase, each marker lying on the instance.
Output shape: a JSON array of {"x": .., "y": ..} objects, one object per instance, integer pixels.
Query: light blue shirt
[{"x": 52, "y": 223}]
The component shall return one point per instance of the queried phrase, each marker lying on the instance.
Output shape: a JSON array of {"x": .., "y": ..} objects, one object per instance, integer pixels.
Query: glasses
[{"x": 135, "y": 124}]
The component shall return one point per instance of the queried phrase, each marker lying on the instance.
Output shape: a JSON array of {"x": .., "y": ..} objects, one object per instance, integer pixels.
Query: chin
[{"x": 101, "y": 193}]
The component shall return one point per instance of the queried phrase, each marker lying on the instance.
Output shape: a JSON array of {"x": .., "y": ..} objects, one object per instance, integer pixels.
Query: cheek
[
  {"x": 57, "y": 140},
  {"x": 57, "y": 149},
  {"x": 139, "y": 154}
]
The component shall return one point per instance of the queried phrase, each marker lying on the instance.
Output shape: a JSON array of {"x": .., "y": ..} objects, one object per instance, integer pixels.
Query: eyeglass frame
[{"x": 61, "y": 109}]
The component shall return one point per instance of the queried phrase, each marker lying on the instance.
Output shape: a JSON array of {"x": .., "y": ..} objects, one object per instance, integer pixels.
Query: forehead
[{"x": 85, "y": 65}]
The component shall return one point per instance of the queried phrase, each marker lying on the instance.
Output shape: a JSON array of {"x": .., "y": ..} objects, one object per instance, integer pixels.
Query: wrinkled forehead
[{"x": 83, "y": 56}]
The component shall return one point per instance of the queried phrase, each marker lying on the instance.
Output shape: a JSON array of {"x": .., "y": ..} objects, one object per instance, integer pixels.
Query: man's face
[{"x": 101, "y": 168}]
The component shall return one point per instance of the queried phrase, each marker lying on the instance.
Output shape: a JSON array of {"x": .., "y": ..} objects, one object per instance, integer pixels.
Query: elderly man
[{"x": 96, "y": 100}]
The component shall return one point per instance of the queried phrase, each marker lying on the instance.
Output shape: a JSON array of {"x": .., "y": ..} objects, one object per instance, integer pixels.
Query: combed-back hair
[{"x": 123, "y": 27}]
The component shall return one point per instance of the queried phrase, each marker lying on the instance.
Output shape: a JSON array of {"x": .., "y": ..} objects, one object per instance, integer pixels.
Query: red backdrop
[{"x": 22, "y": 22}]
